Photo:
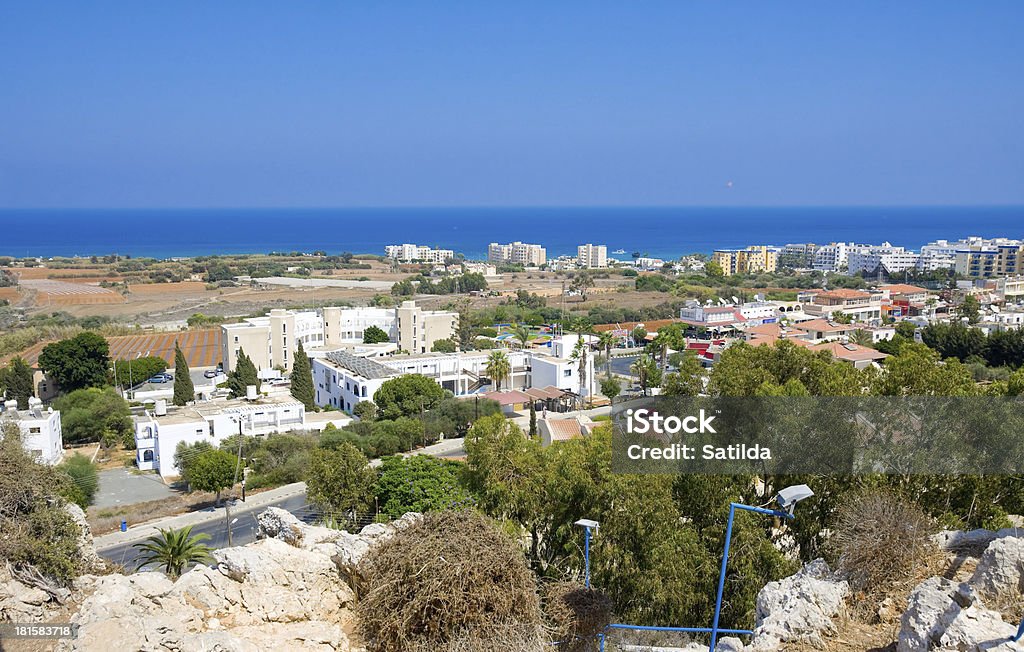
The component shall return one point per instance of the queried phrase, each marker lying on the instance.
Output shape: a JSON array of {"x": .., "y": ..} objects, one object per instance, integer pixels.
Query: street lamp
[
  {"x": 787, "y": 500},
  {"x": 587, "y": 525}
]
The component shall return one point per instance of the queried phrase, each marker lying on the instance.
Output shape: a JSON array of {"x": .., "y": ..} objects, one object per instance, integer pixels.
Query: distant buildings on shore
[
  {"x": 517, "y": 253},
  {"x": 408, "y": 253}
]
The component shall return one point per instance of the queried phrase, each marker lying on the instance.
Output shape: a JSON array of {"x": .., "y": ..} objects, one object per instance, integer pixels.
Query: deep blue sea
[{"x": 658, "y": 232}]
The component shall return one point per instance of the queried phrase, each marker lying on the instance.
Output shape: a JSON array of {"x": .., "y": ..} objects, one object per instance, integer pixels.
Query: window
[
  {"x": 200, "y": 431},
  {"x": 35, "y": 431},
  {"x": 567, "y": 373},
  {"x": 147, "y": 456}
]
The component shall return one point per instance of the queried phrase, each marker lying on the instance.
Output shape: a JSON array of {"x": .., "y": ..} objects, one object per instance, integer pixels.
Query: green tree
[
  {"x": 16, "y": 382},
  {"x": 184, "y": 390},
  {"x": 375, "y": 335},
  {"x": 212, "y": 470},
  {"x": 172, "y": 551},
  {"x": 365, "y": 410},
  {"x": 841, "y": 317},
  {"x": 302, "y": 379},
  {"x": 340, "y": 480},
  {"x": 861, "y": 337},
  {"x": 916, "y": 372},
  {"x": 419, "y": 484},
  {"x": 84, "y": 476},
  {"x": 185, "y": 454},
  {"x": 687, "y": 381},
  {"x": 446, "y": 345},
  {"x": 95, "y": 414},
  {"x": 243, "y": 375},
  {"x": 611, "y": 387},
  {"x": 522, "y": 334},
  {"x": 713, "y": 269},
  {"x": 533, "y": 420},
  {"x": 37, "y": 531},
  {"x": 498, "y": 368},
  {"x": 581, "y": 283},
  {"x": 76, "y": 363},
  {"x": 647, "y": 372},
  {"x": 970, "y": 309},
  {"x": 135, "y": 371},
  {"x": 407, "y": 395}
]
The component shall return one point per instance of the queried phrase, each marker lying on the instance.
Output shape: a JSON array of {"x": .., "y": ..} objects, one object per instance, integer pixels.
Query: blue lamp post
[
  {"x": 1020, "y": 632},
  {"x": 787, "y": 500},
  {"x": 587, "y": 525}
]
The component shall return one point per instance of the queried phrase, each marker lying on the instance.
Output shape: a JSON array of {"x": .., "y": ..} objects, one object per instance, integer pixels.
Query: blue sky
[{"x": 138, "y": 104}]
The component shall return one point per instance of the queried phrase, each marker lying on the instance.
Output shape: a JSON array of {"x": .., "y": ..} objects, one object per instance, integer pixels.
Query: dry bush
[
  {"x": 450, "y": 582},
  {"x": 576, "y": 615},
  {"x": 883, "y": 542}
]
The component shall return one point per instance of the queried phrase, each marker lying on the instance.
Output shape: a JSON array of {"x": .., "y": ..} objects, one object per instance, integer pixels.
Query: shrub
[
  {"x": 84, "y": 477},
  {"x": 882, "y": 541},
  {"x": 576, "y": 615},
  {"x": 452, "y": 581}
]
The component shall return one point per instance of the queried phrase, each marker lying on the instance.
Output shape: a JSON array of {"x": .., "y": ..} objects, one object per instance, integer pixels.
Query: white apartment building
[
  {"x": 40, "y": 430},
  {"x": 831, "y": 257},
  {"x": 860, "y": 305},
  {"x": 412, "y": 252},
  {"x": 885, "y": 258},
  {"x": 271, "y": 341},
  {"x": 592, "y": 256},
  {"x": 342, "y": 379},
  {"x": 159, "y": 432},
  {"x": 517, "y": 253}
]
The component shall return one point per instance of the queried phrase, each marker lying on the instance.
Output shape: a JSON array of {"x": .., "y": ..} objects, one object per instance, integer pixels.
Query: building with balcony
[
  {"x": 984, "y": 261},
  {"x": 753, "y": 259},
  {"x": 409, "y": 253},
  {"x": 342, "y": 379},
  {"x": 517, "y": 253},
  {"x": 271, "y": 341},
  {"x": 591, "y": 256},
  {"x": 862, "y": 306},
  {"x": 159, "y": 431}
]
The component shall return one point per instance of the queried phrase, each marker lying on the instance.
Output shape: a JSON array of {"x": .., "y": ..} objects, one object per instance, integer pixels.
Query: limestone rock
[
  {"x": 1000, "y": 572},
  {"x": 91, "y": 561},
  {"x": 799, "y": 608},
  {"x": 948, "y": 617},
  {"x": 972, "y": 540}
]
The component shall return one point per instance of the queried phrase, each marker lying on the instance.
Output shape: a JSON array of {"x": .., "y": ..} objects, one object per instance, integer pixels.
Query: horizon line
[{"x": 505, "y": 206}]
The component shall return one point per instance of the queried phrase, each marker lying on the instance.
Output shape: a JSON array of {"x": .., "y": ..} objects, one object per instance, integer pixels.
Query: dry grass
[
  {"x": 451, "y": 582},
  {"x": 103, "y": 520},
  {"x": 576, "y": 615}
]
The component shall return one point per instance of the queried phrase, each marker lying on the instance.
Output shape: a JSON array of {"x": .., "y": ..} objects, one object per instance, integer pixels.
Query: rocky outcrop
[
  {"x": 285, "y": 591},
  {"x": 91, "y": 561},
  {"x": 1000, "y": 571},
  {"x": 945, "y": 616},
  {"x": 799, "y": 608}
]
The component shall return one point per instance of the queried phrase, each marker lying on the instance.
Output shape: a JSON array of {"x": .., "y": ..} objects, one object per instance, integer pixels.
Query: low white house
[
  {"x": 159, "y": 431},
  {"x": 342, "y": 379},
  {"x": 40, "y": 429}
]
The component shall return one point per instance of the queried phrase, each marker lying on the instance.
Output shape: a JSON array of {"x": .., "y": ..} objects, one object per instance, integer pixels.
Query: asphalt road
[
  {"x": 120, "y": 487},
  {"x": 243, "y": 529}
]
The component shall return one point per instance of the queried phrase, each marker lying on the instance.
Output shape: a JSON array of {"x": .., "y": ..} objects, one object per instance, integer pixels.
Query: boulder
[
  {"x": 1000, "y": 571},
  {"x": 91, "y": 561},
  {"x": 799, "y": 608},
  {"x": 20, "y": 602},
  {"x": 948, "y": 617}
]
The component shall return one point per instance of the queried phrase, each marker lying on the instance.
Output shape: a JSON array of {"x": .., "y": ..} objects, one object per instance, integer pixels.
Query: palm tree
[
  {"x": 579, "y": 353},
  {"x": 647, "y": 371},
  {"x": 498, "y": 368},
  {"x": 522, "y": 333},
  {"x": 861, "y": 337},
  {"x": 174, "y": 550},
  {"x": 606, "y": 340}
]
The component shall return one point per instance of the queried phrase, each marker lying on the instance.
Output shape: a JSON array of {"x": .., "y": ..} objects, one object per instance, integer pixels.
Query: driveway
[{"x": 119, "y": 487}]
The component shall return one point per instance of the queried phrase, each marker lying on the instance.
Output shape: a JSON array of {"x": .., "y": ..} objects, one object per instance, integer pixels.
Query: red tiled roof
[
  {"x": 850, "y": 352},
  {"x": 844, "y": 293},
  {"x": 823, "y": 326},
  {"x": 902, "y": 288}
]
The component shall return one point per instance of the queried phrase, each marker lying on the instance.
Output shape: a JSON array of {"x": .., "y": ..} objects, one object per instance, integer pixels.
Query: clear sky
[{"x": 172, "y": 104}]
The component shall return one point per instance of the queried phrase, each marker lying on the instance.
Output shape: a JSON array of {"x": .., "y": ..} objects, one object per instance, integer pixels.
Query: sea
[{"x": 659, "y": 232}]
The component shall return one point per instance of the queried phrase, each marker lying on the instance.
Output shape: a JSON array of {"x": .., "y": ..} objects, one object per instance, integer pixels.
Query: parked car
[
  {"x": 161, "y": 378},
  {"x": 211, "y": 373}
]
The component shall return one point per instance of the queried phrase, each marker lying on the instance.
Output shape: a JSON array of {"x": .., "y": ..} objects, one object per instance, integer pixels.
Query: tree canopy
[
  {"x": 375, "y": 335},
  {"x": 95, "y": 414},
  {"x": 184, "y": 390},
  {"x": 302, "y": 379},
  {"x": 76, "y": 363},
  {"x": 212, "y": 470},
  {"x": 407, "y": 395}
]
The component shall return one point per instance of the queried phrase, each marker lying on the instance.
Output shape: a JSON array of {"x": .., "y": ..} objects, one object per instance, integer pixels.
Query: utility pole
[{"x": 238, "y": 462}]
